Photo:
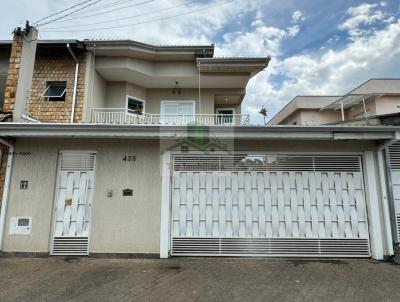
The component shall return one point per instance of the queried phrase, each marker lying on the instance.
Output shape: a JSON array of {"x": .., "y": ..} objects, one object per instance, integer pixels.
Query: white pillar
[
  {"x": 373, "y": 201},
  {"x": 165, "y": 206}
]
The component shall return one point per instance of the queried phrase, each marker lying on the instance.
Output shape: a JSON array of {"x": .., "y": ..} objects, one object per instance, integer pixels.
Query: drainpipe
[
  {"x": 6, "y": 189},
  {"x": 199, "y": 89},
  {"x": 75, "y": 81}
]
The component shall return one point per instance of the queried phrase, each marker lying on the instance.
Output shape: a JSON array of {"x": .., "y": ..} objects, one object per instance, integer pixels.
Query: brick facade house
[
  {"x": 52, "y": 63},
  {"x": 56, "y": 68}
]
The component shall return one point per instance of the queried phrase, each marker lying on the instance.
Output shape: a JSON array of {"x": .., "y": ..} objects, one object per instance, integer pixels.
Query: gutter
[
  {"x": 109, "y": 44},
  {"x": 75, "y": 81},
  {"x": 6, "y": 189},
  {"x": 86, "y": 130}
]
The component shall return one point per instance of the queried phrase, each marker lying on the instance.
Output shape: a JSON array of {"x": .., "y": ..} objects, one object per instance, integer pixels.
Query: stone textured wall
[
  {"x": 56, "y": 68},
  {"x": 12, "y": 75}
]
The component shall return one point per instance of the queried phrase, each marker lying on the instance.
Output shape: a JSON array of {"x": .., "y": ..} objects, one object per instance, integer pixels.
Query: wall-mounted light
[{"x": 176, "y": 89}]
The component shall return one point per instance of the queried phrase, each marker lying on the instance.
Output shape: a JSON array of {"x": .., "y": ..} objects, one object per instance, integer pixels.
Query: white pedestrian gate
[
  {"x": 394, "y": 162},
  {"x": 73, "y": 202},
  {"x": 268, "y": 205}
]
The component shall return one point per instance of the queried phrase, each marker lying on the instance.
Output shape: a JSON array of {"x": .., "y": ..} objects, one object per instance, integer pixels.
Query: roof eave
[
  {"x": 148, "y": 47},
  {"x": 53, "y": 130}
]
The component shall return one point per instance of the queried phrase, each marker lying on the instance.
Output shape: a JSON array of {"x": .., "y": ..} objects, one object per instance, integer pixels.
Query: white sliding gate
[
  {"x": 73, "y": 202},
  {"x": 268, "y": 205},
  {"x": 394, "y": 162}
]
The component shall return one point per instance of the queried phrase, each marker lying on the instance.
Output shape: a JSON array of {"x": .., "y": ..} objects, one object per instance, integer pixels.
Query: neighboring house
[
  {"x": 119, "y": 147},
  {"x": 375, "y": 102},
  {"x": 306, "y": 110}
]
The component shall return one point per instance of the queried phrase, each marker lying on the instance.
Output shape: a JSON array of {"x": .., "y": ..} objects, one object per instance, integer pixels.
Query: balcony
[{"x": 121, "y": 116}]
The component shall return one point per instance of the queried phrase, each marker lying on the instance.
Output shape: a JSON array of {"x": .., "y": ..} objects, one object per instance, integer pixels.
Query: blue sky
[{"x": 317, "y": 47}]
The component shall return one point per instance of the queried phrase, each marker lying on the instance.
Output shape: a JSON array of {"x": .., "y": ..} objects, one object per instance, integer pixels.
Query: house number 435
[{"x": 129, "y": 158}]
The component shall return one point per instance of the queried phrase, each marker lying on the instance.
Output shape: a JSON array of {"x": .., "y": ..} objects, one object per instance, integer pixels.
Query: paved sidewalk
[{"x": 197, "y": 279}]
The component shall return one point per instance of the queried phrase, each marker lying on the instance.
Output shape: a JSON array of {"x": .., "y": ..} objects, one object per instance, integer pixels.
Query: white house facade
[{"x": 152, "y": 157}]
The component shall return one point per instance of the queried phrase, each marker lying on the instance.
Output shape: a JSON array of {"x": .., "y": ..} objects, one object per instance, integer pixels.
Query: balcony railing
[{"x": 121, "y": 116}]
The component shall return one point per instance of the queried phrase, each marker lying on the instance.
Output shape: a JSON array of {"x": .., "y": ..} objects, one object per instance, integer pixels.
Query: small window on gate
[{"x": 55, "y": 91}]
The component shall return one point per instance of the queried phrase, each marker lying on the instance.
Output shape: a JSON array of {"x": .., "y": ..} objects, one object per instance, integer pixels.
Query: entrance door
[
  {"x": 225, "y": 116},
  {"x": 73, "y": 203},
  {"x": 268, "y": 205}
]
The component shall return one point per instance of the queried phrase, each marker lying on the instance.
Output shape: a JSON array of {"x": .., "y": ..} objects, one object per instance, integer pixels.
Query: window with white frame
[
  {"x": 135, "y": 105},
  {"x": 177, "y": 112},
  {"x": 55, "y": 91}
]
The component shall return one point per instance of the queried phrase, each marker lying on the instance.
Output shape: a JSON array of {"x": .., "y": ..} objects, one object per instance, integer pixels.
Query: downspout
[
  {"x": 75, "y": 82},
  {"x": 199, "y": 89},
  {"x": 6, "y": 189}
]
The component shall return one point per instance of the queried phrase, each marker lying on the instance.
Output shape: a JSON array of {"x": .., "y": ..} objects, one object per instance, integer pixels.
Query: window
[
  {"x": 135, "y": 105},
  {"x": 55, "y": 91},
  {"x": 177, "y": 112}
]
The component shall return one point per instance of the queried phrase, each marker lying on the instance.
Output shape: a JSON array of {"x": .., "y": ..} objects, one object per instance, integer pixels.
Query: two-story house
[{"x": 125, "y": 148}]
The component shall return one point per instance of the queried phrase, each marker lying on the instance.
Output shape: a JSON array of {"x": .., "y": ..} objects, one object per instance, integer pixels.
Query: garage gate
[{"x": 268, "y": 205}]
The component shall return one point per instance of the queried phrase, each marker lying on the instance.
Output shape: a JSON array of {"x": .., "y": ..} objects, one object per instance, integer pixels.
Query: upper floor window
[
  {"x": 177, "y": 112},
  {"x": 135, "y": 105},
  {"x": 55, "y": 91}
]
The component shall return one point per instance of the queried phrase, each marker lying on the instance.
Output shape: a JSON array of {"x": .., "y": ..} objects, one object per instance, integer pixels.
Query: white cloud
[
  {"x": 195, "y": 28},
  {"x": 293, "y": 30},
  {"x": 364, "y": 14},
  {"x": 262, "y": 40},
  {"x": 332, "y": 72},
  {"x": 297, "y": 17}
]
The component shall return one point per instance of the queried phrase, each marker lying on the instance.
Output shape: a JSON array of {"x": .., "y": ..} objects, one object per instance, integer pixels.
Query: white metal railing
[{"x": 121, "y": 116}]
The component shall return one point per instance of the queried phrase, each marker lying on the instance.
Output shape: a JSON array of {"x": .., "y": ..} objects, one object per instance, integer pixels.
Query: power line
[
  {"x": 63, "y": 16},
  {"x": 107, "y": 5},
  {"x": 61, "y": 11},
  {"x": 145, "y": 22},
  {"x": 113, "y": 10},
  {"x": 132, "y": 16}
]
